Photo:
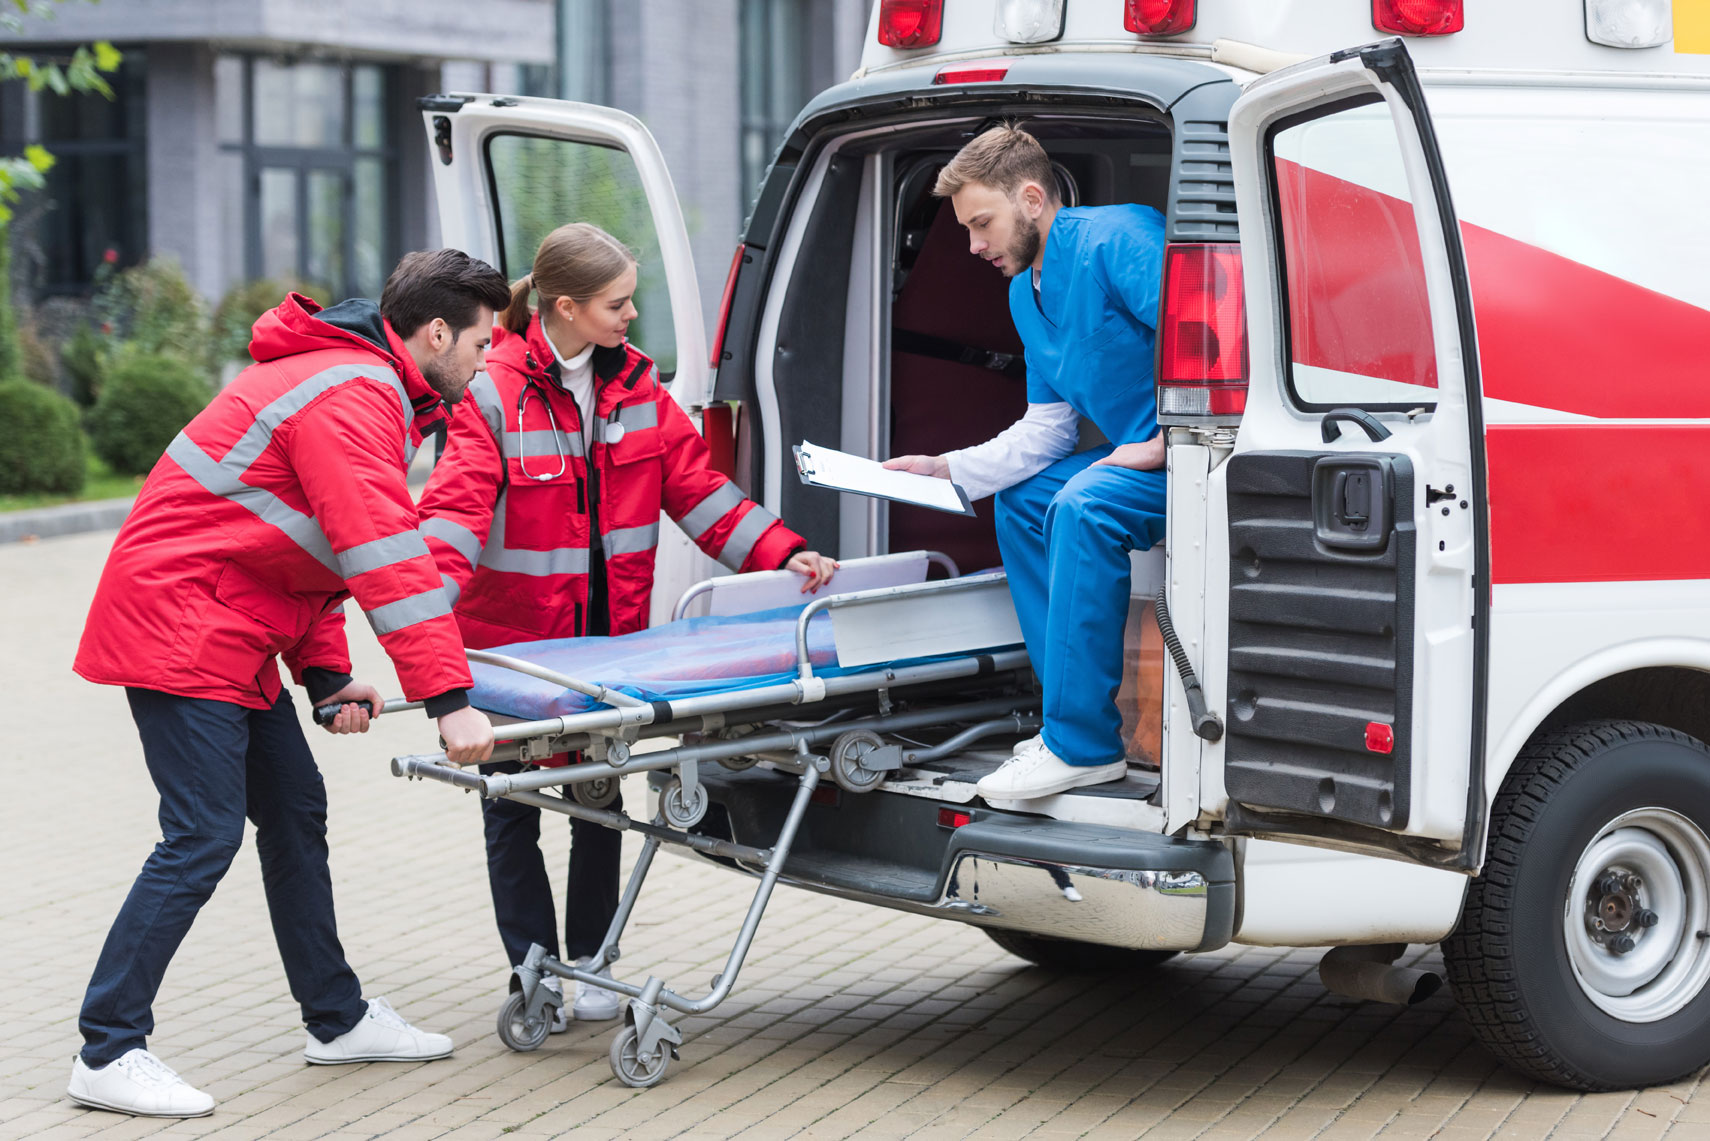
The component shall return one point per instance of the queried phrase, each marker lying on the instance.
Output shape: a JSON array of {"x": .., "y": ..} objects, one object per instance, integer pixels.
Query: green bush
[
  {"x": 84, "y": 358},
  {"x": 239, "y": 310},
  {"x": 153, "y": 310},
  {"x": 41, "y": 446},
  {"x": 145, "y": 400}
]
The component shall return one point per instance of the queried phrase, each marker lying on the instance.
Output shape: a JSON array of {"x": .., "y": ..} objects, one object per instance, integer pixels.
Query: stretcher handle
[
  {"x": 324, "y": 714},
  {"x": 804, "y": 667},
  {"x": 599, "y": 693},
  {"x": 933, "y": 558}
]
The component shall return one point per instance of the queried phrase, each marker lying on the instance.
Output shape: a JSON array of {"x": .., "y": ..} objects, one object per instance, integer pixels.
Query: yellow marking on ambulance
[{"x": 1692, "y": 27}]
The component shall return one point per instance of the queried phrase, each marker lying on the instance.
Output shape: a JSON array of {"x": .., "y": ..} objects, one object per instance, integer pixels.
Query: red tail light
[
  {"x": 1418, "y": 17},
  {"x": 954, "y": 817},
  {"x": 1158, "y": 17},
  {"x": 910, "y": 23},
  {"x": 1202, "y": 335},
  {"x": 724, "y": 303},
  {"x": 972, "y": 73},
  {"x": 718, "y": 429}
]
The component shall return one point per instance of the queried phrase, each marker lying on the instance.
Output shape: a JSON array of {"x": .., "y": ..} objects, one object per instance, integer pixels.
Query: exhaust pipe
[{"x": 1367, "y": 973}]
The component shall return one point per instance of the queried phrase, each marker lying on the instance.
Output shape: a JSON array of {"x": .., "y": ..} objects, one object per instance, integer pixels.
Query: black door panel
[{"x": 1321, "y": 610}]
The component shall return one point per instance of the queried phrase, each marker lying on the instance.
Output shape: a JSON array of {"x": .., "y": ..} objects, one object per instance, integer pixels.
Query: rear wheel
[
  {"x": 1073, "y": 956},
  {"x": 1583, "y": 953}
]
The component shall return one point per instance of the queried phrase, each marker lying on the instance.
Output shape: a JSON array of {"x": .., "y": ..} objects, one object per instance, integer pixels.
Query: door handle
[{"x": 1358, "y": 416}]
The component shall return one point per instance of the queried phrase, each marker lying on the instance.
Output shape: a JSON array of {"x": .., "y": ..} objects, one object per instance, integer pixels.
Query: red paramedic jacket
[
  {"x": 281, "y": 499},
  {"x": 509, "y": 509}
]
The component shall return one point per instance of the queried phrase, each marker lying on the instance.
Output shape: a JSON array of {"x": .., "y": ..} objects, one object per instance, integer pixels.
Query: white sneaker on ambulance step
[
  {"x": 596, "y": 1003},
  {"x": 137, "y": 1083},
  {"x": 382, "y": 1035},
  {"x": 1040, "y": 772},
  {"x": 1028, "y": 745}
]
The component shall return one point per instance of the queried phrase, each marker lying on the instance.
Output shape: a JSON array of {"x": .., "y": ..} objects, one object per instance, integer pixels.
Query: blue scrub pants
[
  {"x": 1065, "y": 535},
  {"x": 214, "y": 763}
]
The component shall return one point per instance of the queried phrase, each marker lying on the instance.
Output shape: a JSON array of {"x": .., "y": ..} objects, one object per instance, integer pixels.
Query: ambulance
[{"x": 1434, "y": 369}]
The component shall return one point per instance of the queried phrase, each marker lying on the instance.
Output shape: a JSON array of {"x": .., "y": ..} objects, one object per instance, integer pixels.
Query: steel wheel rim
[{"x": 1658, "y": 861}]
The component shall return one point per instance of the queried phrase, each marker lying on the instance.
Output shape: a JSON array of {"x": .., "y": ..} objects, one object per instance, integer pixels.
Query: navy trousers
[
  {"x": 214, "y": 763},
  {"x": 522, "y": 892},
  {"x": 1065, "y": 535}
]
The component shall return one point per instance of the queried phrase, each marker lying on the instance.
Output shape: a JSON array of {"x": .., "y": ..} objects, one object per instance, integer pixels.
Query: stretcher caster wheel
[
  {"x": 520, "y": 1032},
  {"x": 631, "y": 1067},
  {"x": 847, "y": 753},
  {"x": 595, "y": 793},
  {"x": 737, "y": 764},
  {"x": 681, "y": 811}
]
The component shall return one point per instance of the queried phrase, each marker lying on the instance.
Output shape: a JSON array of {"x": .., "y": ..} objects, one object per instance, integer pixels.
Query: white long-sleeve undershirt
[{"x": 1046, "y": 434}]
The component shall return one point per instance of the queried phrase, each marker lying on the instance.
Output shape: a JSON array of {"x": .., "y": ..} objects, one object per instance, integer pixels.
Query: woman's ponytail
[{"x": 516, "y": 315}]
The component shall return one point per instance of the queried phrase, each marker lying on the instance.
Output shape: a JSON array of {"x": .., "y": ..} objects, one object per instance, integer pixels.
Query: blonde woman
[{"x": 543, "y": 514}]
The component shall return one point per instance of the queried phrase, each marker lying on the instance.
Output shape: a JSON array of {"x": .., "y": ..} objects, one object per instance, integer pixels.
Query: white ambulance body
[{"x": 1434, "y": 362}]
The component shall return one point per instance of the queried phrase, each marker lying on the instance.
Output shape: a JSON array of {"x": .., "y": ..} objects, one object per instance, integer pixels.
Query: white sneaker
[
  {"x": 1040, "y": 772},
  {"x": 381, "y": 1036},
  {"x": 595, "y": 1003},
  {"x": 1028, "y": 745},
  {"x": 137, "y": 1083},
  {"x": 561, "y": 1015}
]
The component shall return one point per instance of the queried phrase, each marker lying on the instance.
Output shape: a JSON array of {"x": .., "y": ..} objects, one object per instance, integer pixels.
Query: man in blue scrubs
[{"x": 1084, "y": 297}]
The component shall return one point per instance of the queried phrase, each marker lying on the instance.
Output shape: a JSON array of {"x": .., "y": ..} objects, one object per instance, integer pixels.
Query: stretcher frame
[{"x": 737, "y": 728}]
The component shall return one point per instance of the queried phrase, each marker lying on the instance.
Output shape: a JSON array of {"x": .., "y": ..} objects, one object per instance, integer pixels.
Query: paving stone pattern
[{"x": 848, "y": 1021}]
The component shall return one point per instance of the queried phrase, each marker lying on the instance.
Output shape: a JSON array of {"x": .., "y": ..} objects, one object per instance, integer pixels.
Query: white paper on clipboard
[{"x": 828, "y": 467}]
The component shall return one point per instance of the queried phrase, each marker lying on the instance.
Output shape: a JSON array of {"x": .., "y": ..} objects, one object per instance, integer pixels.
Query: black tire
[
  {"x": 1508, "y": 960},
  {"x": 1074, "y": 957}
]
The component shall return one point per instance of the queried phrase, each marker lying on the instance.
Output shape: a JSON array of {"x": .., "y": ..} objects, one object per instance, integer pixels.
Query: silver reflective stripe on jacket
[
  {"x": 224, "y": 477},
  {"x": 721, "y": 501},
  {"x": 741, "y": 542},
  {"x": 452, "y": 590},
  {"x": 423, "y": 607},
  {"x": 630, "y": 418},
  {"x": 541, "y": 446},
  {"x": 540, "y": 564},
  {"x": 377, "y": 553},
  {"x": 630, "y": 540},
  {"x": 485, "y": 394},
  {"x": 454, "y": 535}
]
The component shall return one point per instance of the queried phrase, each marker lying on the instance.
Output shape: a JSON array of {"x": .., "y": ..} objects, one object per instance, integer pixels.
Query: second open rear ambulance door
[{"x": 1352, "y": 628}]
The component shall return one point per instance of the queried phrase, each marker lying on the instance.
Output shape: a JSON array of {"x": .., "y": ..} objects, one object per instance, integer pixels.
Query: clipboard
[{"x": 827, "y": 467}]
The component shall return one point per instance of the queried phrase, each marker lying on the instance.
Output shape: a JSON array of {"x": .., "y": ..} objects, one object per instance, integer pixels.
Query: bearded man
[
  {"x": 281, "y": 499},
  {"x": 1084, "y": 297}
]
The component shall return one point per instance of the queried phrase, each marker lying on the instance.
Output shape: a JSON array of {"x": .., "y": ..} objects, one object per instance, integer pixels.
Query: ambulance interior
[{"x": 941, "y": 380}]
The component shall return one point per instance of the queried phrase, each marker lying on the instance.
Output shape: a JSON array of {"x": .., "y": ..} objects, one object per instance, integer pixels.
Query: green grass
[{"x": 102, "y": 483}]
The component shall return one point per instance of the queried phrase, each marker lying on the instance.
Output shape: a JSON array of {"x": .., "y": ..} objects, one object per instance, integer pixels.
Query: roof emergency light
[
  {"x": 1629, "y": 23},
  {"x": 1029, "y": 21},
  {"x": 1418, "y": 17},
  {"x": 1158, "y": 17},
  {"x": 1202, "y": 334},
  {"x": 910, "y": 23}
]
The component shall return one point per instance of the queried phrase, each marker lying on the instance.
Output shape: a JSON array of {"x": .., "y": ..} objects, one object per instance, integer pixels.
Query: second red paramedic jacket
[
  {"x": 277, "y": 502},
  {"x": 508, "y": 508}
]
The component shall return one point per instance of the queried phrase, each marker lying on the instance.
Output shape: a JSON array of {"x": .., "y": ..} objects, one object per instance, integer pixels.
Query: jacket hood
[
  {"x": 530, "y": 353},
  {"x": 299, "y": 325}
]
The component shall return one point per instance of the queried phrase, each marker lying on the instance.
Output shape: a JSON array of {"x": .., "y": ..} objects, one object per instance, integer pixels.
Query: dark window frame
[{"x": 302, "y": 160}]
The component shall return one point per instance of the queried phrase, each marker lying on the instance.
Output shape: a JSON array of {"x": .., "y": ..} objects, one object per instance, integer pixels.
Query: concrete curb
[{"x": 66, "y": 519}]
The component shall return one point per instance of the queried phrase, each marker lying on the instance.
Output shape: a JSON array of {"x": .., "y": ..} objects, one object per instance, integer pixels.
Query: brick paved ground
[{"x": 848, "y": 1022}]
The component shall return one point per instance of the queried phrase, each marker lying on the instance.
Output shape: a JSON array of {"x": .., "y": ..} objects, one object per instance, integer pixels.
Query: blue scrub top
[{"x": 1089, "y": 336}]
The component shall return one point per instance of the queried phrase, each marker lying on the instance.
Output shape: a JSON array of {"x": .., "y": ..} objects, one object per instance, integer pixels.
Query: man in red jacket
[{"x": 284, "y": 497}]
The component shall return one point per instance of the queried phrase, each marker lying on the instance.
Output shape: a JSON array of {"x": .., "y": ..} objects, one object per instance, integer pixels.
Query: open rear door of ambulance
[
  {"x": 1357, "y": 554},
  {"x": 508, "y": 170}
]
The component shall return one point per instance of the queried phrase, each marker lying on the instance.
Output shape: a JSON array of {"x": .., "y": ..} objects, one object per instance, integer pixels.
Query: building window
[
  {"x": 584, "y": 51},
  {"x": 96, "y": 198},
  {"x": 310, "y": 169},
  {"x": 775, "y": 80}
]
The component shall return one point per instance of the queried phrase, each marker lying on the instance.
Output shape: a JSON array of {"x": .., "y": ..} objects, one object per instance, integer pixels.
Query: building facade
[{"x": 280, "y": 138}]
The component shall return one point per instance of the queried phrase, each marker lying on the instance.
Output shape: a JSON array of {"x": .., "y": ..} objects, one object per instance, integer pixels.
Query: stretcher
[{"x": 843, "y": 686}]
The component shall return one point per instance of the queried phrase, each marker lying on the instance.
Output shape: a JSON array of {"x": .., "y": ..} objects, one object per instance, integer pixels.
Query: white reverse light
[
  {"x": 1029, "y": 21},
  {"x": 1629, "y": 23}
]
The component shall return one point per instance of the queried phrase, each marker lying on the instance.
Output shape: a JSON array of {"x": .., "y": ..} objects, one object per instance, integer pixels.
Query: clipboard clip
[{"x": 804, "y": 465}]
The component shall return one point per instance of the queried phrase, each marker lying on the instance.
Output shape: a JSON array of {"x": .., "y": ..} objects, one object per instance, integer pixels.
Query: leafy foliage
[
  {"x": 242, "y": 306},
  {"x": 145, "y": 401},
  {"x": 42, "y": 447}
]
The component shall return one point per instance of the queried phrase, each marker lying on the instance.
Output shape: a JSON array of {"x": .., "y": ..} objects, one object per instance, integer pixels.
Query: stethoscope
[{"x": 613, "y": 432}]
